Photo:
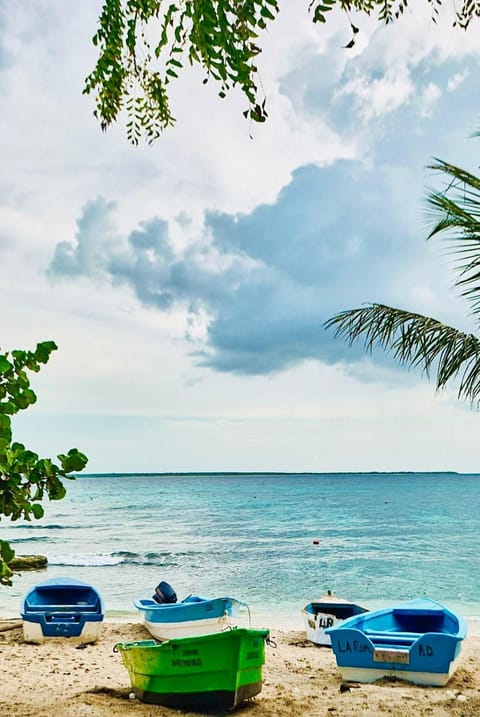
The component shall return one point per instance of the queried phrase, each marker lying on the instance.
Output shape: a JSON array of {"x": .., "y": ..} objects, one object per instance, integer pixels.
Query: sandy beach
[{"x": 61, "y": 679}]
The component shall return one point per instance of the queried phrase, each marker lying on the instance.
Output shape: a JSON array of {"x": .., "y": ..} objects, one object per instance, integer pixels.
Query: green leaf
[
  {"x": 6, "y": 551},
  {"x": 265, "y": 12},
  {"x": 73, "y": 461},
  {"x": 25, "y": 399},
  {"x": 27, "y": 458},
  {"x": 5, "y": 365},
  {"x": 5, "y": 426},
  {"x": 8, "y": 408},
  {"x": 37, "y": 510},
  {"x": 318, "y": 15},
  {"x": 56, "y": 490}
]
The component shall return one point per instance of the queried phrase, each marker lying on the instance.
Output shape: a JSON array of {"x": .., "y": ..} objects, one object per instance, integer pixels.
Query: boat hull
[
  {"x": 213, "y": 699},
  {"x": 426, "y": 679},
  {"x": 35, "y": 632},
  {"x": 419, "y": 641},
  {"x": 62, "y": 607},
  {"x": 188, "y": 628},
  {"x": 194, "y": 616},
  {"x": 315, "y": 626},
  {"x": 211, "y": 671}
]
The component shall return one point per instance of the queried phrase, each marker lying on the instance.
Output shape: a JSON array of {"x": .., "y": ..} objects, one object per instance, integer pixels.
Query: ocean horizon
[
  {"x": 267, "y": 473},
  {"x": 275, "y": 540}
]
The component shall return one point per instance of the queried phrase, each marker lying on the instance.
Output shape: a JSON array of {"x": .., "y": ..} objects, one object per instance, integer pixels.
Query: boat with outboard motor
[{"x": 165, "y": 618}]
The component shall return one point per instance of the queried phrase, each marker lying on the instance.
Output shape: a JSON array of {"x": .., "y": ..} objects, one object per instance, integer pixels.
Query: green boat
[{"x": 218, "y": 671}]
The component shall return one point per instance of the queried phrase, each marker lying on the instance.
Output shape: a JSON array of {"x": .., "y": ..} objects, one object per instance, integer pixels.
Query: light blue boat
[
  {"x": 193, "y": 616},
  {"x": 62, "y": 607},
  {"x": 419, "y": 641}
]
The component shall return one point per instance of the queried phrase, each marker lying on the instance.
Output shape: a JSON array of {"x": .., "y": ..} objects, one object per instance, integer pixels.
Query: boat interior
[{"x": 57, "y": 599}]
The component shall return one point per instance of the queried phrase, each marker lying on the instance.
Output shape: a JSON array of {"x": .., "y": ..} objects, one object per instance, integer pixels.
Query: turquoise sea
[{"x": 381, "y": 538}]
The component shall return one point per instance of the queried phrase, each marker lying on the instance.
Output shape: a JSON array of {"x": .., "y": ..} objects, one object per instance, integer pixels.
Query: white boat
[
  {"x": 192, "y": 617},
  {"x": 328, "y": 611}
]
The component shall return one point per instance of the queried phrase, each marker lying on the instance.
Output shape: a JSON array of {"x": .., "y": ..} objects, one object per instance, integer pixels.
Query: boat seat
[
  {"x": 404, "y": 639},
  {"x": 414, "y": 612},
  {"x": 72, "y": 607},
  {"x": 374, "y": 633}
]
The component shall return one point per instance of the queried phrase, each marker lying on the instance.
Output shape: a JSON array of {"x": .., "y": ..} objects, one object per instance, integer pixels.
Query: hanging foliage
[{"x": 144, "y": 45}]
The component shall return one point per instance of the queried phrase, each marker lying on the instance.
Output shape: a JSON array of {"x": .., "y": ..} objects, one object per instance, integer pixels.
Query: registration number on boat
[{"x": 391, "y": 655}]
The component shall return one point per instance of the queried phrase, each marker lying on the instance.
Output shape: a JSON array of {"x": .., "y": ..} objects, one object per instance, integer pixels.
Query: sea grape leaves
[{"x": 25, "y": 478}]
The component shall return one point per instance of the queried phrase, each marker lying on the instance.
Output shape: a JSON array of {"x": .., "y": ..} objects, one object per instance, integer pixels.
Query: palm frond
[
  {"x": 456, "y": 211},
  {"x": 415, "y": 340}
]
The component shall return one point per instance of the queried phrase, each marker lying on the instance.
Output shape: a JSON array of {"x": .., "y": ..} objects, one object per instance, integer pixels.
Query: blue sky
[{"x": 186, "y": 284}]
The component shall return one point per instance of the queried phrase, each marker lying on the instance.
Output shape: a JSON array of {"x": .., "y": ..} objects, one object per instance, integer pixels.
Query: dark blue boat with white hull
[
  {"x": 62, "y": 607},
  {"x": 327, "y": 611},
  {"x": 419, "y": 641}
]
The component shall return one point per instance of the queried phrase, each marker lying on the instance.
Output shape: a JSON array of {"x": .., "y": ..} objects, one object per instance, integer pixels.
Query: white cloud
[
  {"x": 457, "y": 80},
  {"x": 374, "y": 98},
  {"x": 430, "y": 95}
]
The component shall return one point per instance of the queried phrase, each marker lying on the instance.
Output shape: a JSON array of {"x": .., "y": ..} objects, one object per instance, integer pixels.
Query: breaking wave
[
  {"x": 120, "y": 557},
  {"x": 41, "y": 526},
  {"x": 36, "y": 539}
]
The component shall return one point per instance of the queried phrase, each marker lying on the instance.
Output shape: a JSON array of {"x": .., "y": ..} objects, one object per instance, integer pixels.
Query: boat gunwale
[{"x": 406, "y": 609}]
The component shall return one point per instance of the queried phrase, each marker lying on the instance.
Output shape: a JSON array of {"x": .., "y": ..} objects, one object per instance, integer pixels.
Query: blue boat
[
  {"x": 419, "y": 641},
  {"x": 62, "y": 607},
  {"x": 192, "y": 616}
]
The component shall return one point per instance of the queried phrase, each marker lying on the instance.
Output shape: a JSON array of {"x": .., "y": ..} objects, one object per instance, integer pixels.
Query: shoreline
[
  {"x": 300, "y": 679},
  {"x": 265, "y": 619},
  {"x": 278, "y": 618},
  {"x": 284, "y": 616}
]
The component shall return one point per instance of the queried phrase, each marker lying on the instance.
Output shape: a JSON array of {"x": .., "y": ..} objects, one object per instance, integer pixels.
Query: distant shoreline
[{"x": 268, "y": 473}]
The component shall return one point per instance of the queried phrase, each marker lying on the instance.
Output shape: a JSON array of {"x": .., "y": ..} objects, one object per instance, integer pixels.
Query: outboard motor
[{"x": 164, "y": 593}]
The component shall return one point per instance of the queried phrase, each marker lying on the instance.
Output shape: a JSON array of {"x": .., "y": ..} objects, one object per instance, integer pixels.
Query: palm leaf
[
  {"x": 456, "y": 211},
  {"x": 417, "y": 341}
]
